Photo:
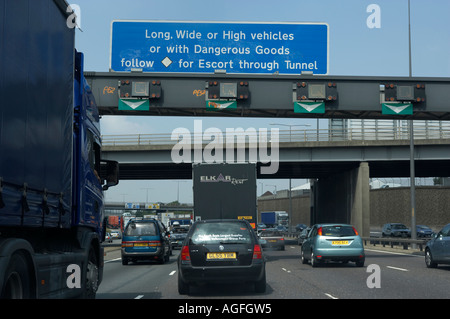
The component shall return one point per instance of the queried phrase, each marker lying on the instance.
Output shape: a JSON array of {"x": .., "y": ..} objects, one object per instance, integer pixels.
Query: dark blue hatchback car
[{"x": 145, "y": 239}]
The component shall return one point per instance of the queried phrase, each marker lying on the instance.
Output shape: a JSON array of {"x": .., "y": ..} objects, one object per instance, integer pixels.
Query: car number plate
[
  {"x": 339, "y": 242},
  {"x": 140, "y": 244},
  {"x": 272, "y": 240},
  {"x": 228, "y": 255}
]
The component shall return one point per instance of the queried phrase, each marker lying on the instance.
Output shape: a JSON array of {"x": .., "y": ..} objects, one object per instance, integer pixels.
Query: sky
[{"x": 355, "y": 49}]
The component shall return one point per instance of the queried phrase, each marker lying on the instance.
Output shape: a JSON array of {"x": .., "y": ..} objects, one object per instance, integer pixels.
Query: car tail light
[
  {"x": 319, "y": 231},
  {"x": 356, "y": 232},
  {"x": 155, "y": 243},
  {"x": 257, "y": 252},
  {"x": 185, "y": 256}
]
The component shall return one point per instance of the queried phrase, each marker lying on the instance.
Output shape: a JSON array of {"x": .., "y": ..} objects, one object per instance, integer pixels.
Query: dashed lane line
[
  {"x": 111, "y": 260},
  {"x": 396, "y": 268}
]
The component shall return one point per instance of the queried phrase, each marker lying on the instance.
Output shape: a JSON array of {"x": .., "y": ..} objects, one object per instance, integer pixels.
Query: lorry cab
[{"x": 91, "y": 177}]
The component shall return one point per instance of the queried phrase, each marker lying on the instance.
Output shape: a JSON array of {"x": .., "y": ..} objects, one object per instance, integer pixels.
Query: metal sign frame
[{"x": 271, "y": 96}]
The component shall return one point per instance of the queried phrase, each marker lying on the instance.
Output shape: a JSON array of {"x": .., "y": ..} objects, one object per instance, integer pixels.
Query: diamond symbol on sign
[{"x": 166, "y": 61}]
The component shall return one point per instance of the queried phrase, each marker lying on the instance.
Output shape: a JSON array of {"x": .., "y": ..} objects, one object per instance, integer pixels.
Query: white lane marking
[
  {"x": 392, "y": 253},
  {"x": 332, "y": 297},
  {"x": 111, "y": 260},
  {"x": 288, "y": 271},
  {"x": 396, "y": 268},
  {"x": 139, "y": 297},
  {"x": 172, "y": 273}
]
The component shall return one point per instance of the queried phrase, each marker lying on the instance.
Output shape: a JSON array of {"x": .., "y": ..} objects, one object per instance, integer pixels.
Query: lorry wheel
[
  {"x": 91, "y": 275},
  {"x": 17, "y": 279}
]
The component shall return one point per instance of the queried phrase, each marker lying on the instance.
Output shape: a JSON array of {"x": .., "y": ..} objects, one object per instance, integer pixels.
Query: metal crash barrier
[{"x": 395, "y": 242}]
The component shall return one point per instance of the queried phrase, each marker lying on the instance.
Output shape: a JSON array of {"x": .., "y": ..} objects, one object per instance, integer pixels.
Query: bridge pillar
[{"x": 343, "y": 197}]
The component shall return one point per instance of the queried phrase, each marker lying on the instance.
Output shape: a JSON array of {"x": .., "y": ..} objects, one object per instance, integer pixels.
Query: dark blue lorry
[{"x": 52, "y": 177}]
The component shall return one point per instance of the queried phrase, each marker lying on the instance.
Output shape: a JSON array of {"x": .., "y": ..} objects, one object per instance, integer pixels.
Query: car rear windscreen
[
  {"x": 338, "y": 231},
  {"x": 271, "y": 233},
  {"x": 221, "y": 232},
  {"x": 140, "y": 229}
]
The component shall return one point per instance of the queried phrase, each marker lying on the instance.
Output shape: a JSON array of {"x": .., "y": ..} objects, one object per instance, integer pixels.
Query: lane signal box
[
  {"x": 140, "y": 89},
  {"x": 404, "y": 93},
  {"x": 236, "y": 90},
  {"x": 313, "y": 91}
]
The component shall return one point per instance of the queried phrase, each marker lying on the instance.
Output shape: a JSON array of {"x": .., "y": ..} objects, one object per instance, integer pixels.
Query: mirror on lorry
[
  {"x": 105, "y": 223},
  {"x": 109, "y": 173}
]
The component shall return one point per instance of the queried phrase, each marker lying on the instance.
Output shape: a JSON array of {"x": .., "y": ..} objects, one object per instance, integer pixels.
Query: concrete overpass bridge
[{"x": 302, "y": 153}]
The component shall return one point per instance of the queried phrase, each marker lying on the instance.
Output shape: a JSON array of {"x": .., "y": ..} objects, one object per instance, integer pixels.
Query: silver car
[
  {"x": 334, "y": 242},
  {"x": 438, "y": 248}
]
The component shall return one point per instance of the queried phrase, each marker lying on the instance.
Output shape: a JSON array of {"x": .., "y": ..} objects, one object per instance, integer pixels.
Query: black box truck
[{"x": 225, "y": 191}]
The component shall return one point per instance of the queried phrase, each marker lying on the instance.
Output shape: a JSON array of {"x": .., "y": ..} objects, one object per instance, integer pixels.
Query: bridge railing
[{"x": 368, "y": 133}]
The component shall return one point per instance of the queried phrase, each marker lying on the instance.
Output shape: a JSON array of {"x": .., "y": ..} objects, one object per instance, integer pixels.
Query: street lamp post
[
  {"x": 411, "y": 145},
  {"x": 178, "y": 190},
  {"x": 146, "y": 198}
]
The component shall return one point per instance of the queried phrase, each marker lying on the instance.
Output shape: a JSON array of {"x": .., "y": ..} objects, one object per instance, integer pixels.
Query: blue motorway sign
[{"x": 204, "y": 47}]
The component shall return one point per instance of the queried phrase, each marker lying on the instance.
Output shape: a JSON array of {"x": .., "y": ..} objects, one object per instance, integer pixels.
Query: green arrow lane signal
[
  {"x": 309, "y": 107},
  {"x": 134, "y": 105},
  {"x": 397, "y": 108}
]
